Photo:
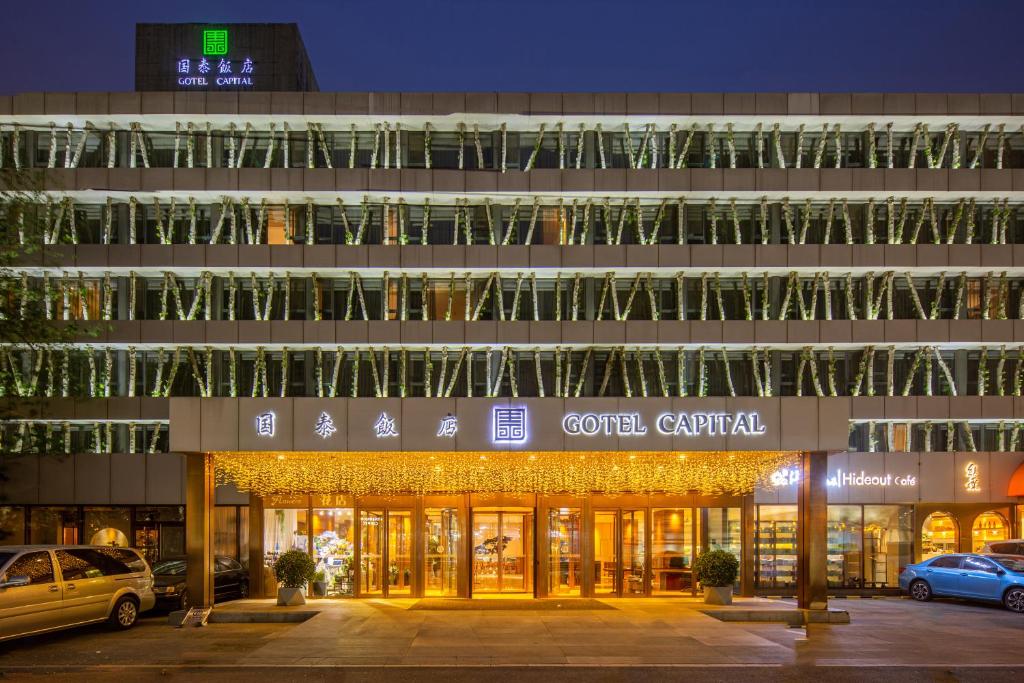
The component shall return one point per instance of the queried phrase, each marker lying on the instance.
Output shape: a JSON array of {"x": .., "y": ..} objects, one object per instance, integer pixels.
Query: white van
[{"x": 45, "y": 588}]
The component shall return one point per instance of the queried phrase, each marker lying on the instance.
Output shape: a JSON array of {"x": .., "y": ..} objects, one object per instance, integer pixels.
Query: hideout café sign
[{"x": 213, "y": 64}]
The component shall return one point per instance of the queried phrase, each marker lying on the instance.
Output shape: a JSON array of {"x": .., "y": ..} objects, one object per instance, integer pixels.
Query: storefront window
[
  {"x": 565, "y": 531},
  {"x": 108, "y": 526},
  {"x": 888, "y": 544},
  {"x": 844, "y": 546},
  {"x": 442, "y": 538},
  {"x": 12, "y": 525},
  {"x": 673, "y": 535},
  {"x": 725, "y": 531},
  {"x": 776, "y": 546},
  {"x": 284, "y": 529},
  {"x": 988, "y": 527},
  {"x": 938, "y": 535},
  {"x": 160, "y": 531},
  {"x": 225, "y": 531},
  {"x": 334, "y": 548},
  {"x": 54, "y": 525}
]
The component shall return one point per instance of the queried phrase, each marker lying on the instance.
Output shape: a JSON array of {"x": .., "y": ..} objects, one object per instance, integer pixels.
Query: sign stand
[{"x": 196, "y": 616}]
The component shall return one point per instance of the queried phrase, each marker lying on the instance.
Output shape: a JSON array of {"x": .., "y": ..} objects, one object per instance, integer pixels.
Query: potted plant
[
  {"x": 716, "y": 570},
  {"x": 293, "y": 570},
  {"x": 320, "y": 584}
]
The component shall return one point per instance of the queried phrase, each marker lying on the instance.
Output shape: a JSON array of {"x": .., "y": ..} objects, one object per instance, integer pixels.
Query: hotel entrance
[{"x": 502, "y": 551}]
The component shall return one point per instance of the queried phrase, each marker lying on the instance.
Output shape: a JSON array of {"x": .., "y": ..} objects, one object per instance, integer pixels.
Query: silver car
[{"x": 45, "y": 588}]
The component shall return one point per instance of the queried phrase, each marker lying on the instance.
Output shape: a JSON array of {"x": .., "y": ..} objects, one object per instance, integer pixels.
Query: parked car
[
  {"x": 994, "y": 578},
  {"x": 1010, "y": 547},
  {"x": 45, "y": 588},
  {"x": 230, "y": 580}
]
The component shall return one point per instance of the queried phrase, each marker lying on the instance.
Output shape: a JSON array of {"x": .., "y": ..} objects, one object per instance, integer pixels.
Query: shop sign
[
  {"x": 265, "y": 424},
  {"x": 789, "y": 476},
  {"x": 667, "y": 424},
  {"x": 972, "y": 480},
  {"x": 214, "y": 68},
  {"x": 508, "y": 425}
]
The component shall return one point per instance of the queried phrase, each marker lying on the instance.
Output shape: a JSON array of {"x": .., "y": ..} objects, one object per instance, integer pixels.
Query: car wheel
[
  {"x": 183, "y": 601},
  {"x": 125, "y": 613},
  {"x": 921, "y": 591},
  {"x": 1014, "y": 599},
  {"x": 243, "y": 590}
]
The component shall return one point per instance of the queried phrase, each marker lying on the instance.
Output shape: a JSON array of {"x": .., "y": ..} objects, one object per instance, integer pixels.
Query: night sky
[{"x": 630, "y": 45}]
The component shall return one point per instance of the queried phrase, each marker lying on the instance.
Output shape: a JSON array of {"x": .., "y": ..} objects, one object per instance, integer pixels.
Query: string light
[{"x": 386, "y": 473}]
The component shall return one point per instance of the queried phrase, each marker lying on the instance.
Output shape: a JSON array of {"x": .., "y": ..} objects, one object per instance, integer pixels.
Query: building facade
[{"x": 553, "y": 344}]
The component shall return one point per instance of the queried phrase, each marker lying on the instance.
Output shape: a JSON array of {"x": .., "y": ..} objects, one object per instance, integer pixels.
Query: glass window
[
  {"x": 938, "y": 535},
  {"x": 1014, "y": 564},
  {"x": 108, "y": 526},
  {"x": 988, "y": 526},
  {"x": 54, "y": 526},
  {"x": 283, "y": 530},
  {"x": 725, "y": 531},
  {"x": 12, "y": 525},
  {"x": 776, "y": 546},
  {"x": 946, "y": 562},
  {"x": 565, "y": 531},
  {"x": 888, "y": 543},
  {"x": 979, "y": 565},
  {"x": 844, "y": 546},
  {"x": 672, "y": 550},
  {"x": 334, "y": 547},
  {"x": 89, "y": 563},
  {"x": 36, "y": 566},
  {"x": 225, "y": 530}
]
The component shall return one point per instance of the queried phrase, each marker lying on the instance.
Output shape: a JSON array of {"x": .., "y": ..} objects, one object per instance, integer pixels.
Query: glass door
[
  {"x": 502, "y": 552},
  {"x": 565, "y": 530},
  {"x": 606, "y": 552},
  {"x": 634, "y": 552},
  {"x": 619, "y": 552},
  {"x": 371, "y": 552},
  {"x": 400, "y": 543},
  {"x": 441, "y": 552}
]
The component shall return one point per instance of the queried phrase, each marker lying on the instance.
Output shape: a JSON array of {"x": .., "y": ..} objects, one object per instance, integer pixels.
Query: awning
[{"x": 1016, "y": 487}]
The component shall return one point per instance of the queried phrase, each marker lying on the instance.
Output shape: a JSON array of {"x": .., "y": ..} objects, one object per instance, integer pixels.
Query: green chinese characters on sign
[{"x": 215, "y": 41}]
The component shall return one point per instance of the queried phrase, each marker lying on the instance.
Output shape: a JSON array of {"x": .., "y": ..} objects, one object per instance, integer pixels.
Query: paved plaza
[{"x": 612, "y": 640}]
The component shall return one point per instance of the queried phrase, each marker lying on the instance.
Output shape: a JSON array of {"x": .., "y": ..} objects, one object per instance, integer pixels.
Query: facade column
[
  {"x": 748, "y": 540},
  {"x": 812, "y": 517},
  {"x": 199, "y": 506},
  {"x": 255, "y": 546}
]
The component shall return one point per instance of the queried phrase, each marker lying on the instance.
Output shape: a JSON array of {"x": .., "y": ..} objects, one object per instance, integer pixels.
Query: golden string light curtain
[{"x": 388, "y": 473}]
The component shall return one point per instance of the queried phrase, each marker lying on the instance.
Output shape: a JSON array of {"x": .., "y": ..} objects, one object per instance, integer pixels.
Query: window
[
  {"x": 36, "y": 566},
  {"x": 87, "y": 563},
  {"x": 979, "y": 565},
  {"x": 938, "y": 535},
  {"x": 12, "y": 525},
  {"x": 946, "y": 562}
]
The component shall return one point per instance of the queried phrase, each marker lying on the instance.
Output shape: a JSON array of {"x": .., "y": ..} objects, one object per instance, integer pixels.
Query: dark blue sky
[{"x": 638, "y": 45}]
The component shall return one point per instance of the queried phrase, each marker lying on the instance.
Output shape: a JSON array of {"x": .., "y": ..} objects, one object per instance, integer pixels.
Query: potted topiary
[
  {"x": 320, "y": 584},
  {"x": 717, "y": 570},
  {"x": 293, "y": 570}
]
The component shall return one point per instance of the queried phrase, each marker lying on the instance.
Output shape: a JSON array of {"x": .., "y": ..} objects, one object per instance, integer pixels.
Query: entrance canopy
[{"x": 544, "y": 472}]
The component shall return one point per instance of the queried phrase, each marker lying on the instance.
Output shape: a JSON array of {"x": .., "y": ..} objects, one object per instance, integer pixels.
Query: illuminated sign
[
  {"x": 265, "y": 423},
  {"x": 972, "y": 480},
  {"x": 789, "y": 476},
  {"x": 591, "y": 424},
  {"x": 508, "y": 425},
  {"x": 215, "y": 41},
  {"x": 449, "y": 426},
  {"x": 385, "y": 426},
  {"x": 218, "y": 71},
  {"x": 324, "y": 426},
  {"x": 668, "y": 424}
]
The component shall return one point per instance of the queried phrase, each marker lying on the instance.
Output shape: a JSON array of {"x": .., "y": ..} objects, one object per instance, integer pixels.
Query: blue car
[{"x": 993, "y": 578}]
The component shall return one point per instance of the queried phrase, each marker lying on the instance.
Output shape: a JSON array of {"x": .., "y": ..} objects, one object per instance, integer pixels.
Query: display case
[{"x": 776, "y": 553}]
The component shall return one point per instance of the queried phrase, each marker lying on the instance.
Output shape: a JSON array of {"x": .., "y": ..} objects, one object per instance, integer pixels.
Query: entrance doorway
[
  {"x": 385, "y": 552},
  {"x": 502, "y": 551},
  {"x": 619, "y": 552}
]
